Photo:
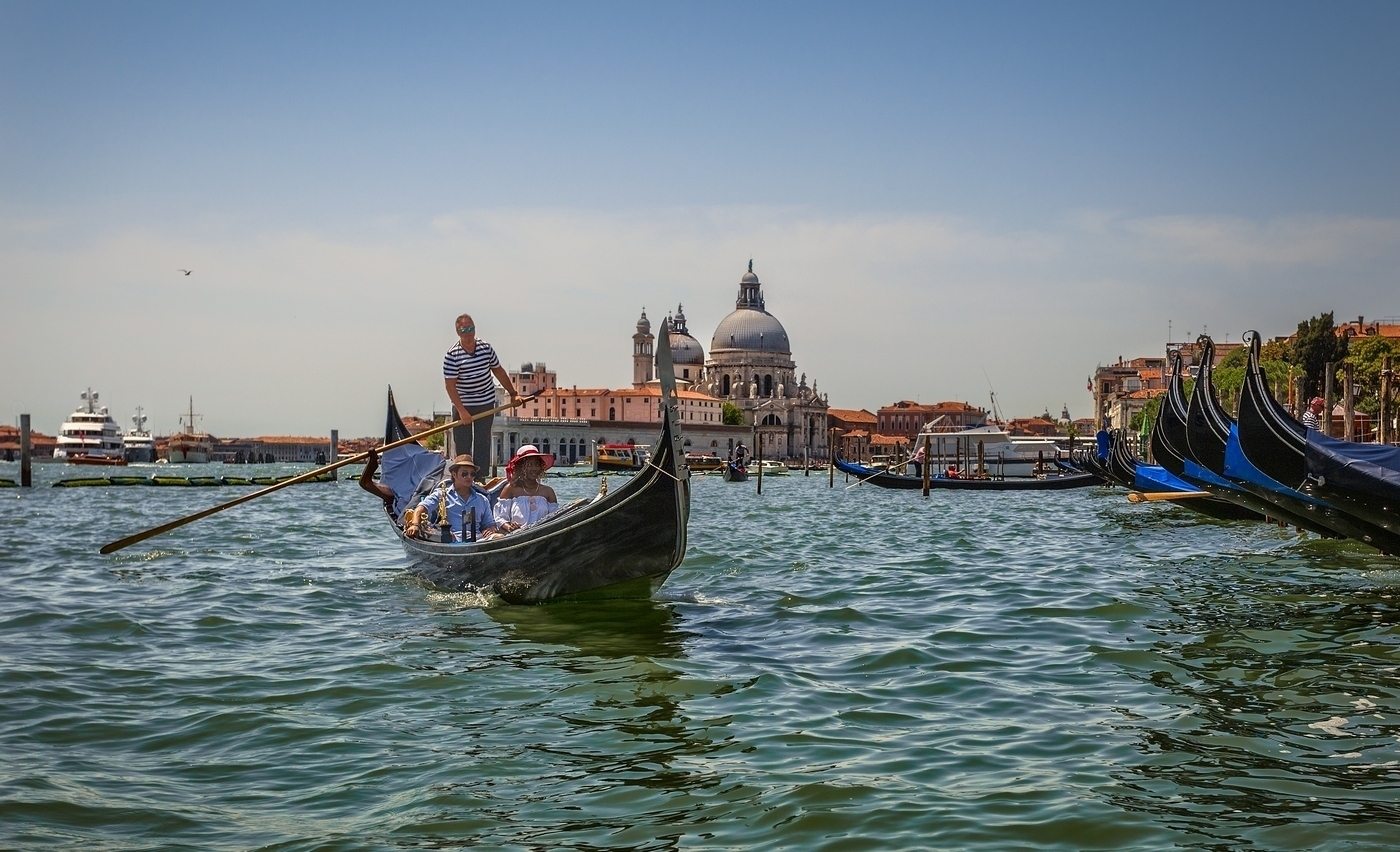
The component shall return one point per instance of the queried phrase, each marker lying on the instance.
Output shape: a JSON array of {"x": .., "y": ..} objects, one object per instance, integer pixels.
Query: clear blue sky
[{"x": 928, "y": 190}]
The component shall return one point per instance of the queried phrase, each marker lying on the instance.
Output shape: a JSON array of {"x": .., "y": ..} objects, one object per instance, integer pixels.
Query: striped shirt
[{"x": 472, "y": 372}]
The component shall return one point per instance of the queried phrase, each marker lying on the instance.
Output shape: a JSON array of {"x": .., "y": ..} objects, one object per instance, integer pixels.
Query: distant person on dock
[
  {"x": 525, "y": 500},
  {"x": 462, "y": 502},
  {"x": 1312, "y": 418},
  {"x": 467, "y": 370}
]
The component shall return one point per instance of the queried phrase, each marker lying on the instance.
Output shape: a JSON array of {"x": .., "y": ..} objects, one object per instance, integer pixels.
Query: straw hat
[{"x": 525, "y": 452}]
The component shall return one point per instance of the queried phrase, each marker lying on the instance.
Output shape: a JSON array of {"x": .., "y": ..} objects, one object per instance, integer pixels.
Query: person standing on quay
[
  {"x": 467, "y": 371},
  {"x": 1312, "y": 418}
]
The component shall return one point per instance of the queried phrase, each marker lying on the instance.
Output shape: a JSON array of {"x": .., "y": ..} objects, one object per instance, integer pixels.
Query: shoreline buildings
[{"x": 750, "y": 367}]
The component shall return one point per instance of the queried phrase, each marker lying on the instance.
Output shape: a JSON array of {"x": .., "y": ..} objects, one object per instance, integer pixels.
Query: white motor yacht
[
  {"x": 90, "y": 435},
  {"x": 138, "y": 445}
]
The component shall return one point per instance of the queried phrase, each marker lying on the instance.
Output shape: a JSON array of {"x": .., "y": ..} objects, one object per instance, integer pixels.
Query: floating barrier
[
  {"x": 173, "y": 481},
  {"x": 8, "y": 483}
]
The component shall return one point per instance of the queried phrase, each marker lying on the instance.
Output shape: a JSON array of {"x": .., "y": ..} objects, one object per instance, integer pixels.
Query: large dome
[
  {"x": 750, "y": 326},
  {"x": 751, "y": 329}
]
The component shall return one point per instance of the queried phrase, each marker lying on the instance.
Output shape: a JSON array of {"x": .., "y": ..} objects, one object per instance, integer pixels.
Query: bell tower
[{"x": 642, "y": 355}]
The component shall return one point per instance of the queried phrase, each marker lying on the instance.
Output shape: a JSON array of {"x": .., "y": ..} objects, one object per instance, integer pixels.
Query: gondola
[
  {"x": 619, "y": 544},
  {"x": 1360, "y": 480},
  {"x": 735, "y": 472},
  {"x": 1238, "y": 468},
  {"x": 901, "y": 481},
  {"x": 1169, "y": 432},
  {"x": 1208, "y": 433}
]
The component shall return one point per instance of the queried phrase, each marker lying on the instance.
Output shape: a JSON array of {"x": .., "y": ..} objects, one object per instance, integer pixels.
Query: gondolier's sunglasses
[{"x": 466, "y": 329}]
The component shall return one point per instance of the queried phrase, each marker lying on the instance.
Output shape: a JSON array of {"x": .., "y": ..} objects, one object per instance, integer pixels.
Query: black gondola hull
[{"x": 907, "y": 483}]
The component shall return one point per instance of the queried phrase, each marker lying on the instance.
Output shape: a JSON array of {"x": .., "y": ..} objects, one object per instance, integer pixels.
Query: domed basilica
[{"x": 751, "y": 367}]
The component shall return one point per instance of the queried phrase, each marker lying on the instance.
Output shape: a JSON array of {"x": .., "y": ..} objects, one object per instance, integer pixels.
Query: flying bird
[{"x": 186, "y": 271}]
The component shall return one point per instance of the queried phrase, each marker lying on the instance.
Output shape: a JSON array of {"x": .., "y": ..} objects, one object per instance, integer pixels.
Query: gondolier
[{"x": 466, "y": 370}]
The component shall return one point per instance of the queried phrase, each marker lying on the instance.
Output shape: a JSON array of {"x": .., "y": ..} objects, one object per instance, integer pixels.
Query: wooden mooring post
[
  {"x": 1328, "y": 398},
  {"x": 831, "y": 457},
  {"x": 1348, "y": 404},
  {"x": 760, "y": 460},
  {"x": 1383, "y": 436},
  {"x": 26, "y": 474},
  {"x": 335, "y": 453}
]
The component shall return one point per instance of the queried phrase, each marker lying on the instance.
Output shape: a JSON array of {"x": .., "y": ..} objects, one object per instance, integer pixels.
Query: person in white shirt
[{"x": 525, "y": 500}]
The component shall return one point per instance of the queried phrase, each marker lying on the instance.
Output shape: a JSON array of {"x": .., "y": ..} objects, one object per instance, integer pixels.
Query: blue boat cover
[
  {"x": 1153, "y": 477},
  {"x": 404, "y": 470},
  {"x": 1241, "y": 469},
  {"x": 1372, "y": 469},
  {"x": 1104, "y": 443},
  {"x": 1200, "y": 474}
]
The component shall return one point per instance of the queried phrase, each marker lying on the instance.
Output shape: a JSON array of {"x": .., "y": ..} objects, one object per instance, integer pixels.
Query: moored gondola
[
  {"x": 945, "y": 483},
  {"x": 734, "y": 472},
  {"x": 621, "y": 543},
  {"x": 1208, "y": 433},
  {"x": 1169, "y": 433},
  {"x": 1254, "y": 395},
  {"x": 1360, "y": 480}
]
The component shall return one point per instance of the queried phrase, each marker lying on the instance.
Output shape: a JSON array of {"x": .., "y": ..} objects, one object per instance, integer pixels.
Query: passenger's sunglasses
[{"x": 466, "y": 329}]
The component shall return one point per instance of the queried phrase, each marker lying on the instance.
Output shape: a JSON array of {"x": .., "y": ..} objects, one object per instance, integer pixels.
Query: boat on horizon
[
  {"x": 190, "y": 446},
  {"x": 138, "y": 445},
  {"x": 90, "y": 435}
]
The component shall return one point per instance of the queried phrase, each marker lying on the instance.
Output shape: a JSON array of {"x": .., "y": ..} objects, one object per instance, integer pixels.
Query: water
[{"x": 829, "y": 669}]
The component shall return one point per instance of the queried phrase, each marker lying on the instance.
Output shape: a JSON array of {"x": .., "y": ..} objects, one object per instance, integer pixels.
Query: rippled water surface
[{"x": 829, "y": 669}]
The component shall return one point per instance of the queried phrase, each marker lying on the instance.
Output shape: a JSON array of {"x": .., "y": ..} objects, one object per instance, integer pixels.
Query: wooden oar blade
[{"x": 1157, "y": 496}]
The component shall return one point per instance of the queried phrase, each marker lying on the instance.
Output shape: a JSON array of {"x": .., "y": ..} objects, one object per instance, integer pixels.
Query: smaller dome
[
  {"x": 644, "y": 324},
  {"x": 686, "y": 350}
]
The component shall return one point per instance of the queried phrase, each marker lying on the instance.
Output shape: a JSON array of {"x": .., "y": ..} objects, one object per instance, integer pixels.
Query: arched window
[
  {"x": 725, "y": 386},
  {"x": 545, "y": 448},
  {"x": 772, "y": 420},
  {"x": 768, "y": 385},
  {"x": 612, "y": 413}
]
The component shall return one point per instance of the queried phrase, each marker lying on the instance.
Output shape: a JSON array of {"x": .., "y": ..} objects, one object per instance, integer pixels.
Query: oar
[
  {"x": 1154, "y": 496},
  {"x": 113, "y": 547},
  {"x": 867, "y": 479}
]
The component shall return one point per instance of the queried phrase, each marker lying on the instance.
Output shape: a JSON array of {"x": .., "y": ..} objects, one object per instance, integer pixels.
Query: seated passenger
[
  {"x": 463, "y": 503},
  {"x": 525, "y": 500}
]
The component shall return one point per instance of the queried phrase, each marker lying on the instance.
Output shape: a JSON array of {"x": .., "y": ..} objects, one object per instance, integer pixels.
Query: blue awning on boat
[
  {"x": 1240, "y": 468},
  {"x": 1366, "y": 468}
]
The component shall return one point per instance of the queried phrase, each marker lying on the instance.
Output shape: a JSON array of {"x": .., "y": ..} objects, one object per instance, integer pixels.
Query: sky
[{"x": 939, "y": 198}]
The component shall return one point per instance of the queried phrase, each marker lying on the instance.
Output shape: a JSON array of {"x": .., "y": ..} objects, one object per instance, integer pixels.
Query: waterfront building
[
  {"x": 854, "y": 427},
  {"x": 907, "y": 418},
  {"x": 1121, "y": 390},
  {"x": 40, "y": 445},
  {"x": 750, "y": 366}
]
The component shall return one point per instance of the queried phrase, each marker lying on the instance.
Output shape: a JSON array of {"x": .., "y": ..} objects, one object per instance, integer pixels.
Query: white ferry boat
[
  {"x": 137, "y": 445},
  {"x": 190, "y": 446},
  {"x": 1002, "y": 454},
  {"x": 90, "y": 435}
]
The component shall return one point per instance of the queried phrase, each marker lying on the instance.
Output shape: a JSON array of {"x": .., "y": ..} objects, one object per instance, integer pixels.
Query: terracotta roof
[
  {"x": 1145, "y": 393},
  {"x": 291, "y": 439},
  {"x": 855, "y": 433},
  {"x": 852, "y": 415},
  {"x": 879, "y": 440}
]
